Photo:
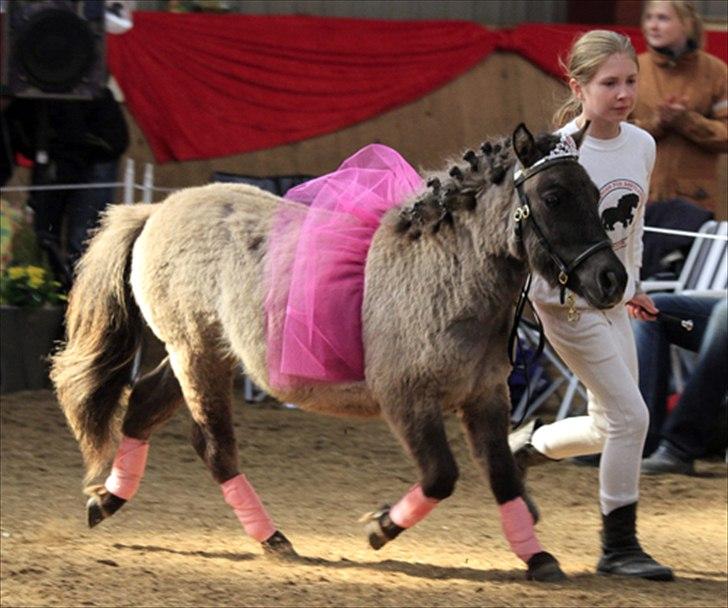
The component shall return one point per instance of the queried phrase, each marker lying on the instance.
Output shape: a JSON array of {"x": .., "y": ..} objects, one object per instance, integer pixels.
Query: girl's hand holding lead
[{"x": 642, "y": 307}]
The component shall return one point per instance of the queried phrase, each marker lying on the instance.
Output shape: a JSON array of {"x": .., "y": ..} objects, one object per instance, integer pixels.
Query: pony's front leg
[
  {"x": 420, "y": 429},
  {"x": 154, "y": 398},
  {"x": 486, "y": 426}
]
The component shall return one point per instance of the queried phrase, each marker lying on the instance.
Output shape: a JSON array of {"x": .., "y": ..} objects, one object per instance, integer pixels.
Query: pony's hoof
[
  {"x": 278, "y": 546},
  {"x": 379, "y": 527},
  {"x": 544, "y": 568},
  {"x": 101, "y": 504}
]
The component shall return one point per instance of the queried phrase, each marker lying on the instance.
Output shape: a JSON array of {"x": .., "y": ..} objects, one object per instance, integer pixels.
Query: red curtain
[
  {"x": 206, "y": 85},
  {"x": 203, "y": 85}
]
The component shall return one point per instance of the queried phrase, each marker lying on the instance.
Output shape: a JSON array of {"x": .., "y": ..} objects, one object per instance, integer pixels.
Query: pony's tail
[{"x": 92, "y": 369}]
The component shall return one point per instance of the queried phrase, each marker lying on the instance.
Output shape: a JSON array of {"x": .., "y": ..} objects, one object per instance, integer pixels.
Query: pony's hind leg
[
  {"x": 207, "y": 385},
  {"x": 153, "y": 399},
  {"x": 422, "y": 432},
  {"x": 486, "y": 427},
  {"x": 241, "y": 496}
]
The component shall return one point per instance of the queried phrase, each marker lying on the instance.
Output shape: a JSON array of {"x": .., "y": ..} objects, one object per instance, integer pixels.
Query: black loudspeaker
[{"x": 54, "y": 48}]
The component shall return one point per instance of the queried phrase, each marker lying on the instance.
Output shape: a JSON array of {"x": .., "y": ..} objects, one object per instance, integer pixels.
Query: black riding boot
[{"x": 621, "y": 551}]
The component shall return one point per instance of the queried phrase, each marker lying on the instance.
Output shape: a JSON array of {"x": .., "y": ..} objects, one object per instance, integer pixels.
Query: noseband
[{"x": 524, "y": 213}]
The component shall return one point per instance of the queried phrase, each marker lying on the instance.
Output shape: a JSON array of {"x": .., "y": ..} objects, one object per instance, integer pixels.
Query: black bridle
[
  {"x": 521, "y": 215},
  {"x": 524, "y": 213}
]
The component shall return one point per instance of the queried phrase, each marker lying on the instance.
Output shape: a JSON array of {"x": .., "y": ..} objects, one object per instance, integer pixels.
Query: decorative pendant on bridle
[{"x": 572, "y": 313}]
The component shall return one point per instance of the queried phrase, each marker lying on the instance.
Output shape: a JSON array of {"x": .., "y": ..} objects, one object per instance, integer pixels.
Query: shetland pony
[{"x": 442, "y": 275}]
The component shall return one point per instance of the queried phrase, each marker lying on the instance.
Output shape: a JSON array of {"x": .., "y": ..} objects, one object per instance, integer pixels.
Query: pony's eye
[{"x": 551, "y": 200}]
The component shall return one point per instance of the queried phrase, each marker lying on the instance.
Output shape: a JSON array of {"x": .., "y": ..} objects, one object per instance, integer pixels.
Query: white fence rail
[
  {"x": 130, "y": 188},
  {"x": 147, "y": 188}
]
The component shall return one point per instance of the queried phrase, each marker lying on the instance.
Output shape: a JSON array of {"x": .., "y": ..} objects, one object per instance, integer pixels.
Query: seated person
[{"x": 679, "y": 437}]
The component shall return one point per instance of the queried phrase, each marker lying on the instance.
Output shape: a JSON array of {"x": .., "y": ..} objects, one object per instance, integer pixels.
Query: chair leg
[{"x": 568, "y": 399}]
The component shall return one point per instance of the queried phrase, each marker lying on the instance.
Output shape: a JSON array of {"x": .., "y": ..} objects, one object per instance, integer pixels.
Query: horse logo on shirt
[{"x": 622, "y": 213}]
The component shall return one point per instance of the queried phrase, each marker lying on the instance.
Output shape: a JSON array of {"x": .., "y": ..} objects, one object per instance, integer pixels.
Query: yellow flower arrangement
[{"x": 30, "y": 287}]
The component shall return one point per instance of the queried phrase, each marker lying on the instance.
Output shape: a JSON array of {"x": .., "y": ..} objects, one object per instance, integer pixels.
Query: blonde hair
[
  {"x": 587, "y": 54},
  {"x": 688, "y": 16}
]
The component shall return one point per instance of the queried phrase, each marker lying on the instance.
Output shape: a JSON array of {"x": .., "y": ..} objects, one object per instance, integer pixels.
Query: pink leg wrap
[
  {"x": 518, "y": 527},
  {"x": 412, "y": 507},
  {"x": 128, "y": 468},
  {"x": 241, "y": 496}
]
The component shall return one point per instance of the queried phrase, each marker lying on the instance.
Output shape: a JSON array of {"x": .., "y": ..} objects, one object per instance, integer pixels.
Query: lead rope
[{"x": 514, "y": 344}]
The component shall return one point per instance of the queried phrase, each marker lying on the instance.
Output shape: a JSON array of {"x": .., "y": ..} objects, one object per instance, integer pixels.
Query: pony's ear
[
  {"x": 525, "y": 146},
  {"x": 578, "y": 137}
]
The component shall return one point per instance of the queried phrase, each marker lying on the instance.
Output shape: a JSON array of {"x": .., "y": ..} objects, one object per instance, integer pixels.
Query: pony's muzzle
[{"x": 603, "y": 281}]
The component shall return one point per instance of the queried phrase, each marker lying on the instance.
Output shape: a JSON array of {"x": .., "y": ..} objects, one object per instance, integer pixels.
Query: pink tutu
[{"x": 315, "y": 267}]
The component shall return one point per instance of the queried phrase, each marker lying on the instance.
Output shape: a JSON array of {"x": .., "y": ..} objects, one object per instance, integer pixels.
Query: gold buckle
[{"x": 521, "y": 213}]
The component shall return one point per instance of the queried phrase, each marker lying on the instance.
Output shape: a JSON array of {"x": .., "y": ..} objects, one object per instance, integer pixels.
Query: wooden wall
[{"x": 490, "y": 99}]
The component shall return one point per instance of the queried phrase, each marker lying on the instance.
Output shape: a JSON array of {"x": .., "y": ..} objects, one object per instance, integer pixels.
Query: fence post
[{"x": 129, "y": 181}]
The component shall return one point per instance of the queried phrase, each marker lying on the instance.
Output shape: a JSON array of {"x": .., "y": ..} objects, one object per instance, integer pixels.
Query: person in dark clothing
[
  {"x": 70, "y": 142},
  {"x": 677, "y": 438}
]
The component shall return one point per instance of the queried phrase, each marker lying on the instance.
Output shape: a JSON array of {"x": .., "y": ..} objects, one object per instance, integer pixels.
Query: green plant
[{"x": 29, "y": 287}]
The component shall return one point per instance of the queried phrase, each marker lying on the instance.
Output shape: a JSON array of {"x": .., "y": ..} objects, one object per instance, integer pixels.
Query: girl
[{"x": 598, "y": 344}]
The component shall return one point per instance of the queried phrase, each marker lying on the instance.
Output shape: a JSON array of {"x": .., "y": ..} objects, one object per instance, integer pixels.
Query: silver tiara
[{"x": 565, "y": 148}]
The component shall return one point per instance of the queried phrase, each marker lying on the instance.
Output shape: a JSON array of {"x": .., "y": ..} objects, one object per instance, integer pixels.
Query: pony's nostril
[{"x": 608, "y": 282}]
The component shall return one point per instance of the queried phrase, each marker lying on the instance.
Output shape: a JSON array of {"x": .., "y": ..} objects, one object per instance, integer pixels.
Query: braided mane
[{"x": 458, "y": 188}]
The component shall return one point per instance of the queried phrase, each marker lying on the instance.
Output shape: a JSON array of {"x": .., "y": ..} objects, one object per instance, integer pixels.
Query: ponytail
[{"x": 568, "y": 111}]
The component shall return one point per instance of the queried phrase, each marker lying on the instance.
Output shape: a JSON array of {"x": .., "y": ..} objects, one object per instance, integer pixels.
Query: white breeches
[{"x": 599, "y": 348}]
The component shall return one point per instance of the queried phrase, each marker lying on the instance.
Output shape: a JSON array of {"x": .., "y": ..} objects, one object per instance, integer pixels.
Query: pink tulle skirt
[{"x": 317, "y": 252}]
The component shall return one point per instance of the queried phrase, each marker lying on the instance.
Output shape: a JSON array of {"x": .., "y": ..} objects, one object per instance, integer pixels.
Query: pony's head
[{"x": 557, "y": 219}]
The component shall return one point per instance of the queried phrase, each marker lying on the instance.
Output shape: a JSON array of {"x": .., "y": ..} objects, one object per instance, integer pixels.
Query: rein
[
  {"x": 513, "y": 342},
  {"x": 517, "y": 316}
]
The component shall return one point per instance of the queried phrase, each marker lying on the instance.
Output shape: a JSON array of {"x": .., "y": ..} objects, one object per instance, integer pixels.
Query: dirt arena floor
[{"x": 178, "y": 544}]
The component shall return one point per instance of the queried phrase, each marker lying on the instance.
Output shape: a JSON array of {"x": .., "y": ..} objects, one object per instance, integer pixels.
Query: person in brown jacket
[{"x": 683, "y": 103}]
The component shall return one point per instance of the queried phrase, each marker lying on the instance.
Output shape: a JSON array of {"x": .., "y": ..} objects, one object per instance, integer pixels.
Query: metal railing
[{"x": 128, "y": 185}]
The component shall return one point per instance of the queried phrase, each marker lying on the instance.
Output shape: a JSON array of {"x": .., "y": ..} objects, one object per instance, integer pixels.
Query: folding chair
[
  {"x": 706, "y": 268},
  {"x": 705, "y": 273}
]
